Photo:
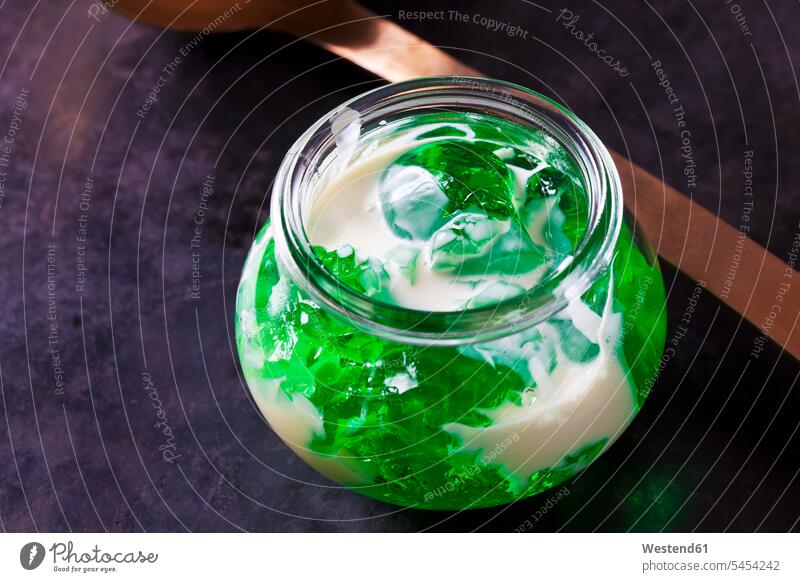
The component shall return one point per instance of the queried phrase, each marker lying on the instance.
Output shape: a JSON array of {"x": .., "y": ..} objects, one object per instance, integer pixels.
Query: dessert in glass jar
[{"x": 448, "y": 307}]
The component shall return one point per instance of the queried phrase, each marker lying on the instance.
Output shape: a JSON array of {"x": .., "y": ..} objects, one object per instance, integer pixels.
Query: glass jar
[{"x": 449, "y": 410}]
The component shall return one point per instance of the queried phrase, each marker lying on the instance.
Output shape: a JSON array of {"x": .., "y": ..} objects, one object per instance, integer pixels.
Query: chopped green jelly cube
[
  {"x": 412, "y": 201},
  {"x": 466, "y": 235},
  {"x": 367, "y": 276},
  {"x": 517, "y": 157},
  {"x": 510, "y": 253},
  {"x": 549, "y": 182},
  {"x": 468, "y": 173},
  {"x": 575, "y": 345}
]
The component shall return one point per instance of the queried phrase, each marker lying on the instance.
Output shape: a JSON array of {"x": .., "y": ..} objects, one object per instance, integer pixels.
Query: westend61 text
[{"x": 672, "y": 549}]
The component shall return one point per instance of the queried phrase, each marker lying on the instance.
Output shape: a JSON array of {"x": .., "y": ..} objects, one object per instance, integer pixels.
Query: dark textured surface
[{"x": 714, "y": 448}]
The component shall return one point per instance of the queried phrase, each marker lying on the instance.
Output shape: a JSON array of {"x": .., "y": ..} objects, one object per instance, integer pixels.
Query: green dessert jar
[{"x": 513, "y": 340}]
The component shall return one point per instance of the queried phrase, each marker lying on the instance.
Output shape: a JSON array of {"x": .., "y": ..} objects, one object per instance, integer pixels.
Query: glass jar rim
[{"x": 456, "y": 93}]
